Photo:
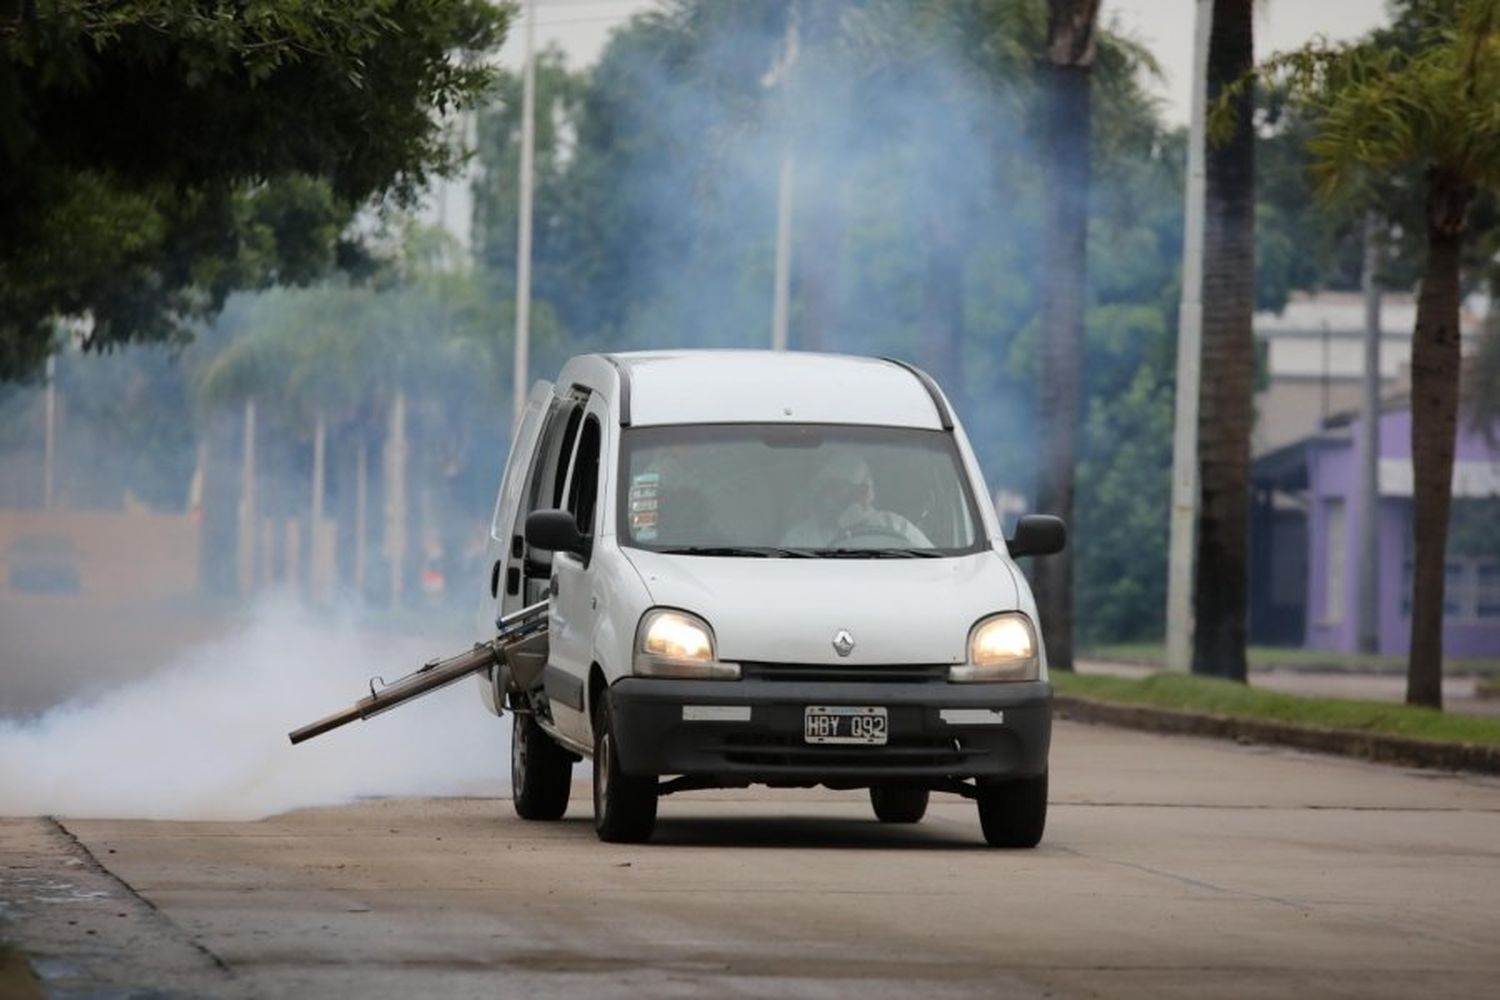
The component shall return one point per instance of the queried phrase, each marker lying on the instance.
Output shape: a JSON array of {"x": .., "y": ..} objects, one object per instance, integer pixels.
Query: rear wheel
[
  {"x": 899, "y": 803},
  {"x": 624, "y": 805},
  {"x": 1014, "y": 813},
  {"x": 541, "y": 772}
]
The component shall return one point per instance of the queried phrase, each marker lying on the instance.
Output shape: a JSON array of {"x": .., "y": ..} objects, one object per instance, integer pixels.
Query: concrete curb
[{"x": 1344, "y": 742}]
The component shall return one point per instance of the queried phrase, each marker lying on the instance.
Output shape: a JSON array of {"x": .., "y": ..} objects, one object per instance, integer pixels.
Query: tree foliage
[{"x": 157, "y": 154}]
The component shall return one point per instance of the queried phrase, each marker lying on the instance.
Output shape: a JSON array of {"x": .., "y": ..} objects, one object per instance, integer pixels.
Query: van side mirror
[
  {"x": 555, "y": 531},
  {"x": 1038, "y": 535}
]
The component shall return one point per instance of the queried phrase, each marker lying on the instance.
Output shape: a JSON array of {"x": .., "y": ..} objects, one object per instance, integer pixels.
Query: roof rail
[{"x": 945, "y": 417}]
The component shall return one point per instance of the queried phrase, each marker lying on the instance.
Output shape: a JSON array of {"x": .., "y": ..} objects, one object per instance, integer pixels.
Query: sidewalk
[{"x": 1458, "y": 692}]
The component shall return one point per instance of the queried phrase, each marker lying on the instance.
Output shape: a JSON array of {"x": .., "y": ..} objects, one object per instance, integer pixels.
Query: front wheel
[
  {"x": 899, "y": 803},
  {"x": 541, "y": 772},
  {"x": 624, "y": 804},
  {"x": 1013, "y": 813}
]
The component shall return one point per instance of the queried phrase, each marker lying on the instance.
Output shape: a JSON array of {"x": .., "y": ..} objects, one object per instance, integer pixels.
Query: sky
[{"x": 582, "y": 27}]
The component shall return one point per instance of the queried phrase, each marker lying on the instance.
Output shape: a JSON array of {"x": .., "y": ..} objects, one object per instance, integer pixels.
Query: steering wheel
[{"x": 871, "y": 531}]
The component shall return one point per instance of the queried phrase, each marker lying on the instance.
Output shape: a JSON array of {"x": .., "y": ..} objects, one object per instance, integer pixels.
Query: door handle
[{"x": 554, "y": 588}]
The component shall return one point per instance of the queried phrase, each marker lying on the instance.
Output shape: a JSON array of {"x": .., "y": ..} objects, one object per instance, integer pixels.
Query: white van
[{"x": 765, "y": 568}]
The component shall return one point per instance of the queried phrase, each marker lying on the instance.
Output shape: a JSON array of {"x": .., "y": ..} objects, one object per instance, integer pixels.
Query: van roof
[{"x": 737, "y": 386}]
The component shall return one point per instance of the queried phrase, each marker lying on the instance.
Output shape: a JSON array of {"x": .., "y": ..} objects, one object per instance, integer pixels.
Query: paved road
[{"x": 1171, "y": 867}]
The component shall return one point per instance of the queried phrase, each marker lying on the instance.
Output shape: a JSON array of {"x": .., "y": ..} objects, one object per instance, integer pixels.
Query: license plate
[{"x": 844, "y": 724}]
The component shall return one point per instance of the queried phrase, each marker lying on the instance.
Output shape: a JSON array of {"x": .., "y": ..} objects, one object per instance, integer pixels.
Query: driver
[{"x": 843, "y": 509}]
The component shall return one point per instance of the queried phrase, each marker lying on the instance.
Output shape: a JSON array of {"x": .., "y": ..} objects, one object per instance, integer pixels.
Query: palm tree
[
  {"x": 1067, "y": 71},
  {"x": 1226, "y": 412},
  {"x": 1424, "y": 99}
]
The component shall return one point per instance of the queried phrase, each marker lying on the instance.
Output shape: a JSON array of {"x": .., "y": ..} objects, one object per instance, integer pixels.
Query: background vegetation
[{"x": 916, "y": 128}]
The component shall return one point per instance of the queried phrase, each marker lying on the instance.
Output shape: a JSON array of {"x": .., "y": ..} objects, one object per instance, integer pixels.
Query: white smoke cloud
[{"x": 205, "y": 736}]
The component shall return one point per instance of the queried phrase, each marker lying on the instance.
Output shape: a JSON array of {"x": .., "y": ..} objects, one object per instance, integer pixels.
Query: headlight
[
  {"x": 1001, "y": 648},
  {"x": 677, "y": 644}
]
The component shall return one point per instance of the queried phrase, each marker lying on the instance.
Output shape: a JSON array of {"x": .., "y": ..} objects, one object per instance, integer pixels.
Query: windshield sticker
[{"x": 643, "y": 505}]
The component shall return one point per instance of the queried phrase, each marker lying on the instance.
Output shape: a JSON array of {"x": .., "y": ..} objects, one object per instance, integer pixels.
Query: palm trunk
[
  {"x": 220, "y": 528},
  {"x": 1070, "y": 52},
  {"x": 1226, "y": 410},
  {"x": 1434, "y": 430}
]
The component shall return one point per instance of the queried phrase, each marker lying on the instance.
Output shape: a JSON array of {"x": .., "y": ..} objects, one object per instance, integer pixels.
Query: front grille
[
  {"x": 902, "y": 673},
  {"x": 780, "y": 751}
]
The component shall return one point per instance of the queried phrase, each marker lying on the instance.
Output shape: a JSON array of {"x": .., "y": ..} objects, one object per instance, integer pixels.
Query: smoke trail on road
[{"x": 205, "y": 737}]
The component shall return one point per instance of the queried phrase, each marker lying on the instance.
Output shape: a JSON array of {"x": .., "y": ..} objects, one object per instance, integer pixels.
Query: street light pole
[
  {"x": 780, "y": 76},
  {"x": 1369, "y": 447},
  {"x": 523, "y": 236},
  {"x": 1189, "y": 352},
  {"x": 781, "y": 299}
]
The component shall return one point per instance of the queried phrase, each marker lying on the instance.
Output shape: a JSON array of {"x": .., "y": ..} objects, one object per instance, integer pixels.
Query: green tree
[
  {"x": 157, "y": 154},
  {"x": 1429, "y": 106}
]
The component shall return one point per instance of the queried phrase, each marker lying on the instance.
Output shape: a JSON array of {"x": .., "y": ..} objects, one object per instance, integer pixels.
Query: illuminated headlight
[
  {"x": 677, "y": 644},
  {"x": 1001, "y": 648}
]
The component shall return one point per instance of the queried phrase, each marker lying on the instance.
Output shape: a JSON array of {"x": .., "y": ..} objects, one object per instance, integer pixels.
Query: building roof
[
  {"x": 733, "y": 386},
  {"x": 1342, "y": 314},
  {"x": 1319, "y": 337}
]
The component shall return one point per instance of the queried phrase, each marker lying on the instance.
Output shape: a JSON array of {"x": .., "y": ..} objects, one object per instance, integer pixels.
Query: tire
[
  {"x": 899, "y": 803},
  {"x": 1014, "y": 813},
  {"x": 624, "y": 805},
  {"x": 541, "y": 772}
]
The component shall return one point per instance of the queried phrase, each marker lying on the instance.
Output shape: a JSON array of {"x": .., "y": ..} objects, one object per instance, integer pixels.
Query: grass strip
[
  {"x": 1216, "y": 697},
  {"x": 1154, "y": 654}
]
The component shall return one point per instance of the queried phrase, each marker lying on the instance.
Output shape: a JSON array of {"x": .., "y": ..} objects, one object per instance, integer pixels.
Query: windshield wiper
[
  {"x": 875, "y": 553},
  {"x": 759, "y": 551}
]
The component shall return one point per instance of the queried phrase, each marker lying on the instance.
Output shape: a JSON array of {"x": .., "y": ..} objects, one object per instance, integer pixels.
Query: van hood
[{"x": 898, "y": 611}]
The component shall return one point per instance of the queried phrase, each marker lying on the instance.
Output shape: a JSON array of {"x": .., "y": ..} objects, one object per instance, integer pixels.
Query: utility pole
[
  {"x": 523, "y": 235},
  {"x": 780, "y": 75},
  {"x": 1369, "y": 447},
  {"x": 1189, "y": 351}
]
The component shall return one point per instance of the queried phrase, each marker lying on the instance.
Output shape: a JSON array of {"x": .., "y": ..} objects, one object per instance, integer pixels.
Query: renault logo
[{"x": 843, "y": 642}]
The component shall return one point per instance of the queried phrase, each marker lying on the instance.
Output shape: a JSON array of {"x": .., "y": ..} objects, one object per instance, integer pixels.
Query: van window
[
  {"x": 549, "y": 473},
  {"x": 796, "y": 490},
  {"x": 545, "y": 481}
]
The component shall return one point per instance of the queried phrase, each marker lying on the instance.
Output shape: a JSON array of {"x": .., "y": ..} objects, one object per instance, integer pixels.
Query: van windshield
[{"x": 795, "y": 490}]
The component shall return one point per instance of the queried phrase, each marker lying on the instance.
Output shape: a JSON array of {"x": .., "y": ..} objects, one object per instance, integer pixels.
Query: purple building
[{"x": 1305, "y": 558}]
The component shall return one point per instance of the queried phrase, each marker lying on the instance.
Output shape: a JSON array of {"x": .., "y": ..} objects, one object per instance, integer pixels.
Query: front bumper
[{"x": 990, "y": 731}]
